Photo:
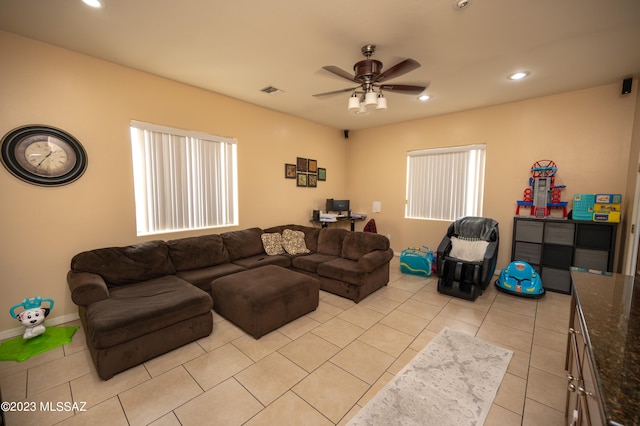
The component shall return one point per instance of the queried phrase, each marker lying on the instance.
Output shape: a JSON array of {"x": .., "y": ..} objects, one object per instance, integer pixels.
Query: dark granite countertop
[{"x": 610, "y": 306}]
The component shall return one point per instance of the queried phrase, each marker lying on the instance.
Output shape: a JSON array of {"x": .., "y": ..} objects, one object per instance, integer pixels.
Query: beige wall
[
  {"x": 42, "y": 228},
  {"x": 587, "y": 133}
]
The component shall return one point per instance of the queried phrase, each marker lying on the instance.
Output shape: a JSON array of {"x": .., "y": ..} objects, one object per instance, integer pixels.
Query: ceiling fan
[{"x": 369, "y": 75}]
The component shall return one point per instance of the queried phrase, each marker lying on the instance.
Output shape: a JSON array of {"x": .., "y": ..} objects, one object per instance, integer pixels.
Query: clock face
[{"x": 43, "y": 155}]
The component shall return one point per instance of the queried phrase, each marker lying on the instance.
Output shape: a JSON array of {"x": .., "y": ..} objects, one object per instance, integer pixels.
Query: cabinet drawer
[
  {"x": 594, "y": 236},
  {"x": 530, "y": 231},
  {"x": 557, "y": 256},
  {"x": 578, "y": 338},
  {"x": 528, "y": 252},
  {"x": 556, "y": 280},
  {"x": 592, "y": 396},
  {"x": 559, "y": 233},
  {"x": 592, "y": 259}
]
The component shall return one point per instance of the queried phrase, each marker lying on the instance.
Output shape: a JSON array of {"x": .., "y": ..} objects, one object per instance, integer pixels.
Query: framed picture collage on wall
[{"x": 306, "y": 172}]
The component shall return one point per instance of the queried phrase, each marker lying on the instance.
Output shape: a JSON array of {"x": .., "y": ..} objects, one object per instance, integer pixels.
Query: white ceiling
[{"x": 238, "y": 47}]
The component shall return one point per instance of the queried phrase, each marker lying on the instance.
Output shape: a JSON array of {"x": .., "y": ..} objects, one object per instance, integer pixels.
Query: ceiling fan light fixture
[
  {"x": 382, "y": 102},
  {"x": 362, "y": 110},
  {"x": 371, "y": 98},
  {"x": 424, "y": 98},
  {"x": 354, "y": 102}
]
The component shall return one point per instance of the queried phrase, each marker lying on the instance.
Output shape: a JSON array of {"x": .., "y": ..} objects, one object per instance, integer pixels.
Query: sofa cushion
[
  {"x": 126, "y": 265},
  {"x": 357, "y": 244},
  {"x": 244, "y": 243},
  {"x": 330, "y": 240},
  {"x": 135, "y": 310},
  {"x": 277, "y": 229},
  {"x": 342, "y": 270},
  {"x": 262, "y": 260},
  {"x": 293, "y": 242},
  {"x": 202, "y": 277},
  {"x": 197, "y": 252},
  {"x": 272, "y": 243},
  {"x": 310, "y": 263}
]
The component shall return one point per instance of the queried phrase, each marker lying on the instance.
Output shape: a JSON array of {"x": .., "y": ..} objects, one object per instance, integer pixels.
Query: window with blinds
[
  {"x": 445, "y": 183},
  {"x": 183, "y": 180}
]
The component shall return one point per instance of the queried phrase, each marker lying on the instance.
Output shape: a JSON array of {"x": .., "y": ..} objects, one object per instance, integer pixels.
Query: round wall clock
[{"x": 43, "y": 155}]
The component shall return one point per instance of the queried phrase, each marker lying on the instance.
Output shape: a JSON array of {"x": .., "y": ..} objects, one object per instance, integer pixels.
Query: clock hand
[{"x": 45, "y": 157}]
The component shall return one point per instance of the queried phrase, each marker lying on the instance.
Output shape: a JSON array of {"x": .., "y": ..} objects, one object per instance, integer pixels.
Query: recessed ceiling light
[
  {"x": 424, "y": 98},
  {"x": 518, "y": 75},
  {"x": 93, "y": 3}
]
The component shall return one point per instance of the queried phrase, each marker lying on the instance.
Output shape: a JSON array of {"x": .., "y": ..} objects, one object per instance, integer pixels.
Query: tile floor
[{"x": 317, "y": 370}]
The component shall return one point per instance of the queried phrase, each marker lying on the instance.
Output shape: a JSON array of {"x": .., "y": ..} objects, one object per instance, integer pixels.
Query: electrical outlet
[{"x": 389, "y": 237}]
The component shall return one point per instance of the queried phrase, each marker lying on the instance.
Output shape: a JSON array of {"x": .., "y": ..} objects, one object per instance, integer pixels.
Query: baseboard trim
[{"x": 7, "y": 334}]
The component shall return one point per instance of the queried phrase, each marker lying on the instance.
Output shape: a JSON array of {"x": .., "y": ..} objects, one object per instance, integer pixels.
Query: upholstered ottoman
[{"x": 262, "y": 299}]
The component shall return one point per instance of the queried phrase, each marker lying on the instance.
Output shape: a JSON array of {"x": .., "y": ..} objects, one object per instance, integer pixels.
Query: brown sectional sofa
[{"x": 140, "y": 301}]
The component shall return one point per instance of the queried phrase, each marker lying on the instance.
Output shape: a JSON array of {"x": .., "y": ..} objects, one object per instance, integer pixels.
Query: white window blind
[
  {"x": 183, "y": 180},
  {"x": 445, "y": 183}
]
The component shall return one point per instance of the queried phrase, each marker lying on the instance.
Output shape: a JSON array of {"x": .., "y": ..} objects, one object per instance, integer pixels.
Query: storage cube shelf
[{"x": 552, "y": 246}]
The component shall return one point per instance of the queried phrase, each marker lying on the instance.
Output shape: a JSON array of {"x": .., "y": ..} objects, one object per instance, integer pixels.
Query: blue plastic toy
[
  {"x": 416, "y": 261},
  {"x": 33, "y": 315},
  {"x": 520, "y": 279}
]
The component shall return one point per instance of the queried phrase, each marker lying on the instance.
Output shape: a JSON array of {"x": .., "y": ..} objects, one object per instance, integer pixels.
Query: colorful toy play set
[
  {"x": 597, "y": 207},
  {"x": 543, "y": 194}
]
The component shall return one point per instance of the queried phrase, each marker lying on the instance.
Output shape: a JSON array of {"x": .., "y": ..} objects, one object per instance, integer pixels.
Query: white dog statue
[{"x": 33, "y": 320}]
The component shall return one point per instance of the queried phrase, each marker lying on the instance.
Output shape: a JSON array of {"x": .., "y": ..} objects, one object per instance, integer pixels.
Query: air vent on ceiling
[{"x": 270, "y": 90}]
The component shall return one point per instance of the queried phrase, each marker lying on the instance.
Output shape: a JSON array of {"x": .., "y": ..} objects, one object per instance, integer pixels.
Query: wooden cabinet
[
  {"x": 583, "y": 406},
  {"x": 603, "y": 354},
  {"x": 553, "y": 246},
  {"x": 584, "y": 403}
]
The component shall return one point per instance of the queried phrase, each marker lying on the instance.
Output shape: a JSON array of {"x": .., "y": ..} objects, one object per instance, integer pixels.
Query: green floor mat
[{"x": 20, "y": 349}]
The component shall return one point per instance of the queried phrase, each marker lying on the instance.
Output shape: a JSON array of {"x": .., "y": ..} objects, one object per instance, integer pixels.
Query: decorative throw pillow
[
  {"x": 272, "y": 243},
  {"x": 293, "y": 242},
  {"x": 468, "y": 250}
]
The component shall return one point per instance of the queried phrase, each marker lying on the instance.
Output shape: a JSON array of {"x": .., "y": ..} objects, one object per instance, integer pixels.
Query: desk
[{"x": 342, "y": 219}]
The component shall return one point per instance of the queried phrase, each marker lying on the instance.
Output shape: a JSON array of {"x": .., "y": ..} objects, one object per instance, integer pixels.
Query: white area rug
[{"x": 452, "y": 381}]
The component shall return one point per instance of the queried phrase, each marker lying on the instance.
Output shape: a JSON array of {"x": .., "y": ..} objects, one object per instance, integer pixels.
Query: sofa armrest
[
  {"x": 374, "y": 259},
  {"x": 86, "y": 288}
]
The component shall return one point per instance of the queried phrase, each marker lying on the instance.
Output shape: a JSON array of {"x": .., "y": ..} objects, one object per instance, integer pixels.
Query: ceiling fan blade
[
  {"x": 403, "y": 88},
  {"x": 339, "y": 72},
  {"x": 398, "y": 70},
  {"x": 337, "y": 91}
]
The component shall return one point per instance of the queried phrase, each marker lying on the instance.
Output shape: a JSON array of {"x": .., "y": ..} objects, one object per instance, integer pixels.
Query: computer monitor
[{"x": 337, "y": 205}]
